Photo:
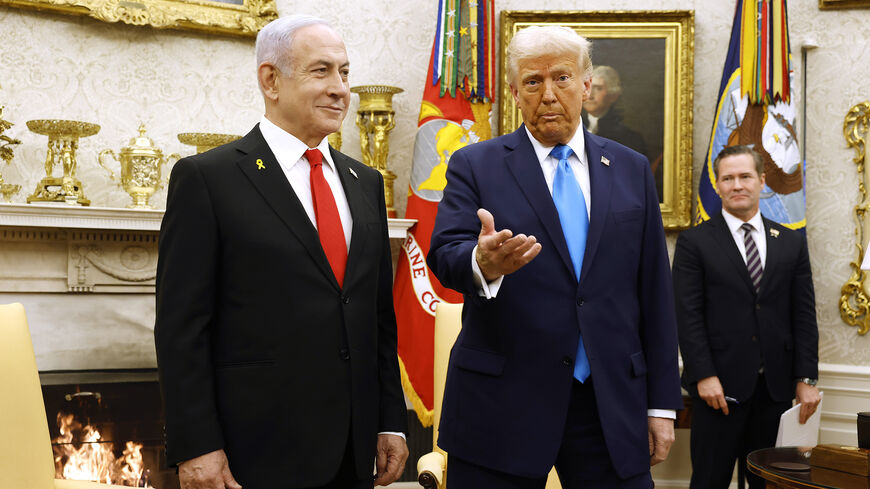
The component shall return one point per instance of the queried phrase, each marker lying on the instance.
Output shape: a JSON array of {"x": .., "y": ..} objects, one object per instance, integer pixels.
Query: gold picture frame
[
  {"x": 654, "y": 51},
  {"x": 842, "y": 4},
  {"x": 233, "y": 17}
]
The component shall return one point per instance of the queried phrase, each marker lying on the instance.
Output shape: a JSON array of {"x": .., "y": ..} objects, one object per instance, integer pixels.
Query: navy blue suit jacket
[{"x": 510, "y": 374}]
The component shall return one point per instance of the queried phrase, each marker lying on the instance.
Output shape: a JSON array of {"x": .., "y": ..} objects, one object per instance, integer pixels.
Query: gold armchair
[
  {"x": 26, "y": 459},
  {"x": 432, "y": 467}
]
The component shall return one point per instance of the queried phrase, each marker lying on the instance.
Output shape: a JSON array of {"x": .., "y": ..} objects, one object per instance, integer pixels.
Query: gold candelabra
[
  {"x": 335, "y": 140},
  {"x": 63, "y": 140},
  {"x": 7, "y": 190},
  {"x": 375, "y": 119}
]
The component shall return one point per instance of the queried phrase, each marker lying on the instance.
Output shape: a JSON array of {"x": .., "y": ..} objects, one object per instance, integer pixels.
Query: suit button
[
  {"x": 567, "y": 361},
  {"x": 345, "y": 299},
  {"x": 580, "y": 302},
  {"x": 754, "y": 339},
  {"x": 344, "y": 353},
  {"x": 758, "y": 307}
]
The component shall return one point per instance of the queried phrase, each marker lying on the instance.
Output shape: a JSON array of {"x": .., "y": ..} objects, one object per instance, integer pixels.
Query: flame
[{"x": 94, "y": 459}]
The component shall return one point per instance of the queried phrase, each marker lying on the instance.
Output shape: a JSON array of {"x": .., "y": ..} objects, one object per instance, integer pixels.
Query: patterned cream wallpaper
[{"x": 57, "y": 66}]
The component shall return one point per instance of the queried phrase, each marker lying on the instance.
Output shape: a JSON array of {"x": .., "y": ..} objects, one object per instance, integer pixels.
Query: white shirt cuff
[
  {"x": 397, "y": 433},
  {"x": 661, "y": 413},
  {"x": 484, "y": 288}
]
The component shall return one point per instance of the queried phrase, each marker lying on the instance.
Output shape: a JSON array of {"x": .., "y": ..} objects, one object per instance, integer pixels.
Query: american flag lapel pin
[
  {"x": 605, "y": 161},
  {"x": 353, "y": 173}
]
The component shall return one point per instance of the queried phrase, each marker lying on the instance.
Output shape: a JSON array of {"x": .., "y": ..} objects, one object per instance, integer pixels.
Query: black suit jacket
[
  {"x": 727, "y": 329},
  {"x": 259, "y": 350}
]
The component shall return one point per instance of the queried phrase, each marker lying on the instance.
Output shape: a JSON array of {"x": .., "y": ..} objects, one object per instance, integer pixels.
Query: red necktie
[{"x": 326, "y": 214}]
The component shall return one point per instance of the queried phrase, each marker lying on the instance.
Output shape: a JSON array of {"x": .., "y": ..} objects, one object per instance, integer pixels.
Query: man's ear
[
  {"x": 587, "y": 88},
  {"x": 514, "y": 93},
  {"x": 267, "y": 76}
]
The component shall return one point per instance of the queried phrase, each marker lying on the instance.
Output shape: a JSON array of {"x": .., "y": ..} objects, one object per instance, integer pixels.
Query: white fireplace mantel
[
  {"x": 86, "y": 277},
  {"x": 48, "y": 248},
  {"x": 74, "y": 217}
]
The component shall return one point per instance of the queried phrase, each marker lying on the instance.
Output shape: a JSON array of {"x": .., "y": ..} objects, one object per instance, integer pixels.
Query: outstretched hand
[{"x": 500, "y": 252}]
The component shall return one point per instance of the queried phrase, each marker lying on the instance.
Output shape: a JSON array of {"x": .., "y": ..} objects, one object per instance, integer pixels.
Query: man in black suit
[
  {"x": 275, "y": 331},
  {"x": 747, "y": 323}
]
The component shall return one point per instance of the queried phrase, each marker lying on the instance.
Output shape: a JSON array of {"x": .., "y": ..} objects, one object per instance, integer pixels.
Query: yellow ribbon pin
[{"x": 260, "y": 165}]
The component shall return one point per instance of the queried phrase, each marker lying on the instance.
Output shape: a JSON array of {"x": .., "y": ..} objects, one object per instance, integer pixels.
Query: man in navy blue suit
[{"x": 568, "y": 350}]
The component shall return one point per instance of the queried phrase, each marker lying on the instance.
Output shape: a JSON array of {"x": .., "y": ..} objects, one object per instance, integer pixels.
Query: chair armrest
[
  {"x": 430, "y": 470},
  {"x": 68, "y": 484}
]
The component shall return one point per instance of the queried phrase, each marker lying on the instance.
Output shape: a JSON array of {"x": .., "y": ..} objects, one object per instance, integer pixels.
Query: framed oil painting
[
  {"x": 233, "y": 17},
  {"x": 642, "y": 90}
]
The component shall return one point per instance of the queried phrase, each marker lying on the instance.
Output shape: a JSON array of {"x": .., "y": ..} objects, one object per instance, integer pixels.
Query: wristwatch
[{"x": 808, "y": 381}]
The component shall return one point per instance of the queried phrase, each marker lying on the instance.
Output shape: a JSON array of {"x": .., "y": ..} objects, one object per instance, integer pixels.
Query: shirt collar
[
  {"x": 577, "y": 144},
  {"x": 735, "y": 222},
  {"x": 289, "y": 149}
]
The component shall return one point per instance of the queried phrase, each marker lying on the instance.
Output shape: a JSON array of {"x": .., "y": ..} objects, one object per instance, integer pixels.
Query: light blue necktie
[{"x": 571, "y": 206}]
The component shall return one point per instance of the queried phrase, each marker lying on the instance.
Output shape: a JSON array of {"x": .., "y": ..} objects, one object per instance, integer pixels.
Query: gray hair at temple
[
  {"x": 610, "y": 77},
  {"x": 274, "y": 40},
  {"x": 739, "y": 149},
  {"x": 536, "y": 41}
]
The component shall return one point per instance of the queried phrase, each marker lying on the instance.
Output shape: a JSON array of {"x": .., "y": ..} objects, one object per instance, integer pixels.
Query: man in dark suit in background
[
  {"x": 275, "y": 331},
  {"x": 568, "y": 351},
  {"x": 747, "y": 323}
]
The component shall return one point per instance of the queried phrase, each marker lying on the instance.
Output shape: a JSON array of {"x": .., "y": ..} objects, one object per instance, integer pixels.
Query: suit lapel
[
  {"x": 600, "y": 182},
  {"x": 360, "y": 209},
  {"x": 523, "y": 164},
  {"x": 270, "y": 181},
  {"x": 725, "y": 240}
]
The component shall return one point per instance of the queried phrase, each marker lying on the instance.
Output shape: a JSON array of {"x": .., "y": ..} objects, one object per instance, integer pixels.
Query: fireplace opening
[
  {"x": 107, "y": 426},
  {"x": 115, "y": 417}
]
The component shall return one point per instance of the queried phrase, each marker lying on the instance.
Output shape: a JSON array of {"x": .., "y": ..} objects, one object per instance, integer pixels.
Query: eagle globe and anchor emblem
[{"x": 435, "y": 143}]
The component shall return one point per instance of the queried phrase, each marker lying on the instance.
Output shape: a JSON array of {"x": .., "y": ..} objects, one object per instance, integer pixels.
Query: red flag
[{"x": 445, "y": 125}]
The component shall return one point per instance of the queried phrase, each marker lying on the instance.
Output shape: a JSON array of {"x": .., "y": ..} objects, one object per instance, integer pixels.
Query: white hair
[
  {"x": 610, "y": 77},
  {"x": 536, "y": 41},
  {"x": 274, "y": 40}
]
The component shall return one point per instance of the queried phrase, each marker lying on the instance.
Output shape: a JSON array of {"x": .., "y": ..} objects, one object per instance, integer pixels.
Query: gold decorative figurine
[
  {"x": 375, "y": 119},
  {"x": 335, "y": 140},
  {"x": 140, "y": 168},
  {"x": 7, "y": 190},
  {"x": 63, "y": 140},
  {"x": 205, "y": 141}
]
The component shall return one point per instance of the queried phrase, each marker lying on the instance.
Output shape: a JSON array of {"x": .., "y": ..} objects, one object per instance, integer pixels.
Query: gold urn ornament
[
  {"x": 375, "y": 118},
  {"x": 141, "y": 163},
  {"x": 63, "y": 141}
]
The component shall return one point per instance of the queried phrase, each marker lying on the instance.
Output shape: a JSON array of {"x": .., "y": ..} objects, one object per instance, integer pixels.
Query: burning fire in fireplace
[{"x": 81, "y": 454}]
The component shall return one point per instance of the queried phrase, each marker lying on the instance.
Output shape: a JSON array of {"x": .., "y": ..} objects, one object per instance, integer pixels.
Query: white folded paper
[{"x": 793, "y": 434}]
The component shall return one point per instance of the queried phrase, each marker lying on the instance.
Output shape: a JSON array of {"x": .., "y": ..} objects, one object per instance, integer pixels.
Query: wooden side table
[{"x": 777, "y": 467}]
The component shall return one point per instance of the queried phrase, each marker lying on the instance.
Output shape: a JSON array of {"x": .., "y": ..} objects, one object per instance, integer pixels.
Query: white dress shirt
[
  {"x": 290, "y": 153},
  {"x": 579, "y": 166},
  {"x": 757, "y": 234}
]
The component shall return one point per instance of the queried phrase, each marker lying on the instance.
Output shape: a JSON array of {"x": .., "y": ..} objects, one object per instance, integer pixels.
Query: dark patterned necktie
[{"x": 753, "y": 259}]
